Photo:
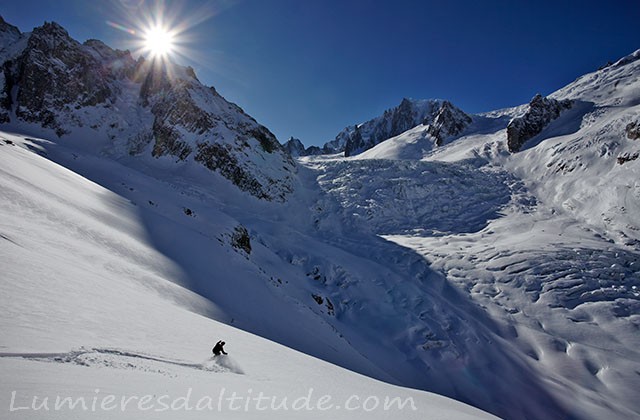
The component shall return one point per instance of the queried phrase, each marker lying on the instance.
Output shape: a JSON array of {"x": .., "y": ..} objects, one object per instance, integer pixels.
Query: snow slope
[
  {"x": 313, "y": 280},
  {"x": 93, "y": 309}
]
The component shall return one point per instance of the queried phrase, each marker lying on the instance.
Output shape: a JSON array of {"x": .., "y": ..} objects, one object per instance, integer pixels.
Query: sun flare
[
  {"x": 160, "y": 30},
  {"x": 159, "y": 41}
]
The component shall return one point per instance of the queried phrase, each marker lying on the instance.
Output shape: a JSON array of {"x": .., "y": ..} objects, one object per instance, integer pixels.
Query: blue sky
[{"x": 308, "y": 68}]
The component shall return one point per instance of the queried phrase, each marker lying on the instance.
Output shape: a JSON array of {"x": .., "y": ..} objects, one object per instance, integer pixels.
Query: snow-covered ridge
[
  {"x": 440, "y": 120},
  {"x": 135, "y": 107},
  {"x": 611, "y": 85}
]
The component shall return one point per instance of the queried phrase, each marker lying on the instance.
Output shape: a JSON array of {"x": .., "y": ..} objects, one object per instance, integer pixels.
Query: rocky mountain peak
[
  {"x": 7, "y": 28},
  {"x": 449, "y": 121},
  {"x": 294, "y": 147},
  {"x": 404, "y": 116},
  {"x": 139, "y": 107},
  {"x": 49, "y": 36},
  {"x": 442, "y": 119},
  {"x": 406, "y": 106},
  {"x": 55, "y": 74}
]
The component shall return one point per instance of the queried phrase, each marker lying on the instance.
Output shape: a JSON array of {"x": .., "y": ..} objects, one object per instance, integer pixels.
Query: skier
[{"x": 218, "y": 348}]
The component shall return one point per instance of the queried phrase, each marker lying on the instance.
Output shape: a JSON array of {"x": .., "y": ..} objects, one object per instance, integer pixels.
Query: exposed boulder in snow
[
  {"x": 139, "y": 107},
  {"x": 540, "y": 113},
  {"x": 241, "y": 240},
  {"x": 441, "y": 118},
  {"x": 326, "y": 301},
  {"x": 633, "y": 130},
  {"x": 627, "y": 157}
]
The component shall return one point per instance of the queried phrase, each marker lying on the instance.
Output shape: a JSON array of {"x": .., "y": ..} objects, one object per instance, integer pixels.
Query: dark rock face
[
  {"x": 394, "y": 121},
  {"x": 5, "y": 99},
  {"x": 356, "y": 144},
  {"x": 338, "y": 144},
  {"x": 402, "y": 118},
  {"x": 267, "y": 140},
  {"x": 294, "y": 147},
  {"x": 167, "y": 141},
  {"x": 171, "y": 106},
  {"x": 313, "y": 151},
  {"x": 540, "y": 113},
  {"x": 9, "y": 35},
  {"x": 8, "y": 30},
  {"x": 627, "y": 157},
  {"x": 241, "y": 240},
  {"x": 450, "y": 121},
  {"x": 633, "y": 130},
  {"x": 219, "y": 140},
  {"x": 149, "y": 106},
  {"x": 441, "y": 119},
  {"x": 220, "y": 158},
  {"x": 56, "y": 73}
]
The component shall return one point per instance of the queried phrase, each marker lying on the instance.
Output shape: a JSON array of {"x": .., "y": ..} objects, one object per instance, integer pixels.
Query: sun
[
  {"x": 161, "y": 30},
  {"x": 159, "y": 41}
]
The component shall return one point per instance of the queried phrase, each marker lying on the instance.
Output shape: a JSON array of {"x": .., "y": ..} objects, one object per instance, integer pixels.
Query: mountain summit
[
  {"x": 440, "y": 119},
  {"x": 134, "y": 107}
]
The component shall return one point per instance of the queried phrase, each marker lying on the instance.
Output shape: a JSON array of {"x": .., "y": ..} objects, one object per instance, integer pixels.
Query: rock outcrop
[
  {"x": 633, "y": 130},
  {"x": 540, "y": 113}
]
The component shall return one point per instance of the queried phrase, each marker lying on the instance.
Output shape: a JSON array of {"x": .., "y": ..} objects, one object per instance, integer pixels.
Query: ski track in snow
[{"x": 130, "y": 360}]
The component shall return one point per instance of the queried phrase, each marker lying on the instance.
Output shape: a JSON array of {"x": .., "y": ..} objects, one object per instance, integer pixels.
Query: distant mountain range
[
  {"x": 436, "y": 120},
  {"x": 439, "y": 119}
]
